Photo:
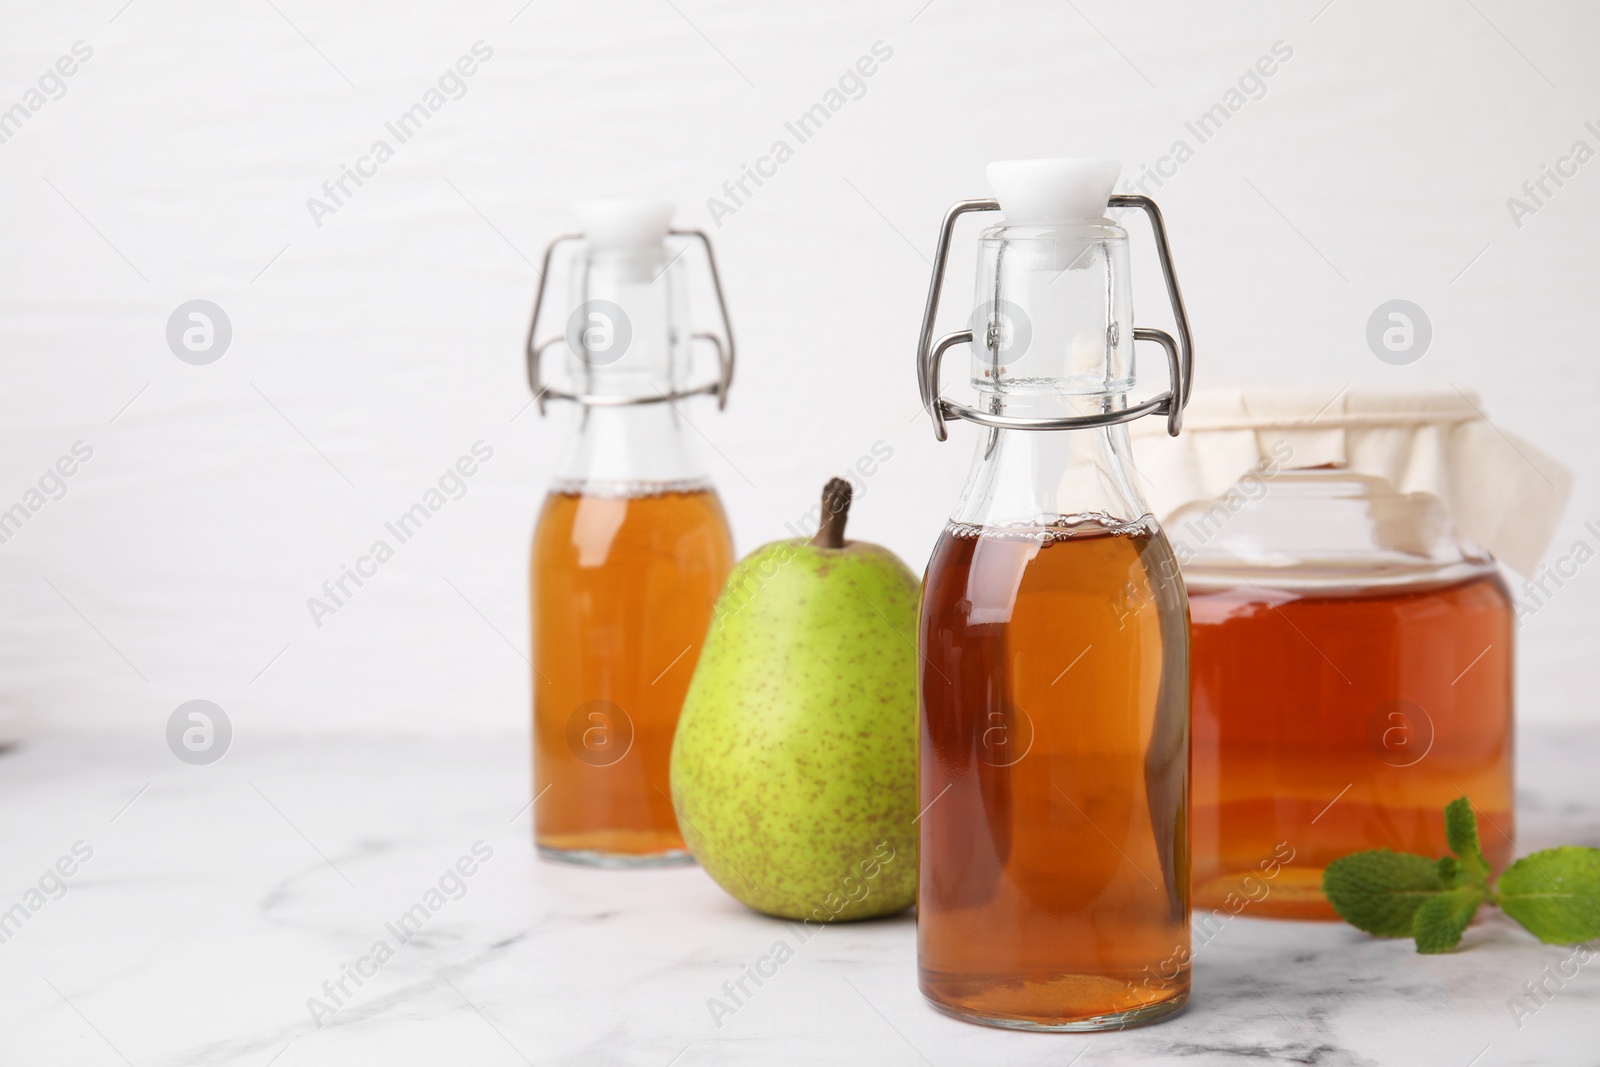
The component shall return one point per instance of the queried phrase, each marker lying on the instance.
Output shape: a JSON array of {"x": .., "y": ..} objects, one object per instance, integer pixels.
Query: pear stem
[{"x": 835, "y": 511}]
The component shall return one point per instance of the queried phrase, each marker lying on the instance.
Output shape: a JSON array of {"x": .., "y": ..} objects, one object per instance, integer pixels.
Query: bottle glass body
[
  {"x": 629, "y": 554},
  {"x": 1053, "y": 757},
  {"x": 1352, "y": 675}
]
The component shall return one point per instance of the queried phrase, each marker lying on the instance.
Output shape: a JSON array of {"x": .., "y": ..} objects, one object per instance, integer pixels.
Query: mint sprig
[{"x": 1554, "y": 893}]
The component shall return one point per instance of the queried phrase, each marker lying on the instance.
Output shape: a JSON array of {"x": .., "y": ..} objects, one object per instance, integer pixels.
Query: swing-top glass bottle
[
  {"x": 1053, "y": 757},
  {"x": 631, "y": 547}
]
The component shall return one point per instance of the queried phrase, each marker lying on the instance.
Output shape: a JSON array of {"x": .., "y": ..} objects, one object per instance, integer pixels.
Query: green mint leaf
[
  {"x": 1441, "y": 919},
  {"x": 1380, "y": 891},
  {"x": 1461, "y": 831},
  {"x": 1450, "y": 871},
  {"x": 1555, "y": 894}
]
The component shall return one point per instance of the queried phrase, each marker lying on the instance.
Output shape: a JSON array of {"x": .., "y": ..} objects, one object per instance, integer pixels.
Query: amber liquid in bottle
[
  {"x": 622, "y": 588},
  {"x": 1053, "y": 759},
  {"x": 1336, "y": 720}
]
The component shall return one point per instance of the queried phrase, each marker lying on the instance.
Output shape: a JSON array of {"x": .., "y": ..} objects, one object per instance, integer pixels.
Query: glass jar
[{"x": 1352, "y": 674}]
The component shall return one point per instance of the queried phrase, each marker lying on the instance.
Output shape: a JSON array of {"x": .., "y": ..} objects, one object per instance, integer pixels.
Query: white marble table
[{"x": 218, "y": 899}]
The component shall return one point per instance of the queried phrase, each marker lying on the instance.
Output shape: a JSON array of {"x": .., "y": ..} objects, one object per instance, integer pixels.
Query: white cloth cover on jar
[{"x": 1500, "y": 491}]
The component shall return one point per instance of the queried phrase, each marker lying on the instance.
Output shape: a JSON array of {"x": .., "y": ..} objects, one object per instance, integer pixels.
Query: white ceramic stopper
[
  {"x": 624, "y": 225},
  {"x": 1048, "y": 192}
]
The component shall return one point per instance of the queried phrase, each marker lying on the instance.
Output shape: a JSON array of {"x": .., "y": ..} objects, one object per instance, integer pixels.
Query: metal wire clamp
[
  {"x": 1180, "y": 353},
  {"x": 723, "y": 344}
]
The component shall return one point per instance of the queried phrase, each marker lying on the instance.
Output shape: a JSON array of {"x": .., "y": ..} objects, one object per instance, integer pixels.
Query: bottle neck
[
  {"x": 626, "y": 338},
  {"x": 1052, "y": 324},
  {"x": 630, "y": 451},
  {"x": 626, "y": 333},
  {"x": 1053, "y": 337},
  {"x": 1050, "y": 477}
]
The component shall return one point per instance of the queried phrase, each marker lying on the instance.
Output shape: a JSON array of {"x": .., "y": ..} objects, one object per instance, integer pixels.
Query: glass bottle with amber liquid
[
  {"x": 1053, "y": 889},
  {"x": 632, "y": 546}
]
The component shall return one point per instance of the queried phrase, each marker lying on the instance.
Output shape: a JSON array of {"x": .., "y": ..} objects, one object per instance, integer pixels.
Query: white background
[{"x": 178, "y": 164}]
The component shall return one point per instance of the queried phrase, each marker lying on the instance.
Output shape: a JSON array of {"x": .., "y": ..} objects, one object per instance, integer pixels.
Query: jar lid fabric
[{"x": 1500, "y": 491}]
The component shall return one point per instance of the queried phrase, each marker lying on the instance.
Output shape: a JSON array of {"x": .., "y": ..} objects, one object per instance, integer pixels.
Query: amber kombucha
[
  {"x": 1330, "y": 720},
  {"x": 623, "y": 587},
  {"x": 1054, "y": 878}
]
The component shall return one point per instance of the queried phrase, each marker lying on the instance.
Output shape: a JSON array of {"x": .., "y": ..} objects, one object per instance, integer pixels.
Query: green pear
[{"x": 794, "y": 765}]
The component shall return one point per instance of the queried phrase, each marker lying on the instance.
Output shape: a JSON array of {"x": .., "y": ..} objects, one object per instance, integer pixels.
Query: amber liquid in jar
[
  {"x": 1331, "y": 720},
  {"x": 1053, "y": 773},
  {"x": 622, "y": 587}
]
